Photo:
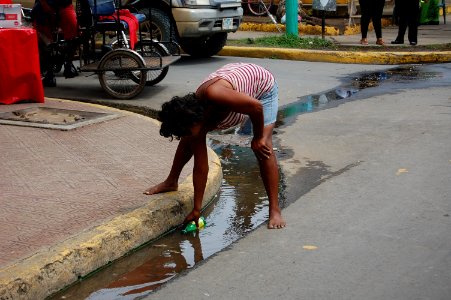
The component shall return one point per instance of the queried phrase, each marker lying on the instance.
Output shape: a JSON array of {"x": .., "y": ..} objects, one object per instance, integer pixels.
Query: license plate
[{"x": 227, "y": 23}]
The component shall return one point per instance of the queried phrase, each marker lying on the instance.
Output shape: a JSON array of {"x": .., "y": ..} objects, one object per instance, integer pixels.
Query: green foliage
[
  {"x": 286, "y": 41},
  {"x": 295, "y": 42}
]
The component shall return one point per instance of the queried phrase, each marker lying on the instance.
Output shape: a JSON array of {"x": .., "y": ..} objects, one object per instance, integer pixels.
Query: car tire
[
  {"x": 204, "y": 46},
  {"x": 160, "y": 28}
]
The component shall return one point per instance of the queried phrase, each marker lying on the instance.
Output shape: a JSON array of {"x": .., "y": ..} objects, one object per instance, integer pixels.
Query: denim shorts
[{"x": 270, "y": 102}]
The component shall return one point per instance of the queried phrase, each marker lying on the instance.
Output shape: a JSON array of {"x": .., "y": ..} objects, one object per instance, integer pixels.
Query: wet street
[
  {"x": 366, "y": 170},
  {"x": 368, "y": 177}
]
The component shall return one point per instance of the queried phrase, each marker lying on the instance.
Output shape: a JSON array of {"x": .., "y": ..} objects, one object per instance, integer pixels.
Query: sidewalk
[
  {"x": 72, "y": 200},
  {"x": 427, "y": 35}
]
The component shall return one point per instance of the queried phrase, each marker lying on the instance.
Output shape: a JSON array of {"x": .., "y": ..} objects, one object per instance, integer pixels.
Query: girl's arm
[{"x": 200, "y": 173}]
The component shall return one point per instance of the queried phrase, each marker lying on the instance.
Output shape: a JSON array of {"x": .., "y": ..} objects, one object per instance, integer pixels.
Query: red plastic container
[{"x": 20, "y": 77}]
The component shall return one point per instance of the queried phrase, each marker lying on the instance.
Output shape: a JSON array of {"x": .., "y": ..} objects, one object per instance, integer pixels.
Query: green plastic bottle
[{"x": 191, "y": 226}]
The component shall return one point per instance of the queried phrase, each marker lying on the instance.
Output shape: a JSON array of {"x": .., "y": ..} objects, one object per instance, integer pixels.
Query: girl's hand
[
  {"x": 193, "y": 216},
  {"x": 261, "y": 150}
]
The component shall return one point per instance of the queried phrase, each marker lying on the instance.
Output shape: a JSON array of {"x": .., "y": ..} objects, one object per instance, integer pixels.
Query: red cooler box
[{"x": 20, "y": 76}]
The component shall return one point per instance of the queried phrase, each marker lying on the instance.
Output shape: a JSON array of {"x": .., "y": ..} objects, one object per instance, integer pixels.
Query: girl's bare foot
[
  {"x": 276, "y": 221},
  {"x": 161, "y": 188}
]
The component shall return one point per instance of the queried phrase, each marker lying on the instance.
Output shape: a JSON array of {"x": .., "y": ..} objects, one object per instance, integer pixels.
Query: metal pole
[{"x": 291, "y": 10}]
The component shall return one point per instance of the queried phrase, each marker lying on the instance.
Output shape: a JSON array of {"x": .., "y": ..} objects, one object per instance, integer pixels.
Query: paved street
[{"x": 377, "y": 224}]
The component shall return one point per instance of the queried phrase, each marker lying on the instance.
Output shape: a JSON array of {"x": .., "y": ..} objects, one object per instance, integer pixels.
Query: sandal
[
  {"x": 380, "y": 42},
  {"x": 364, "y": 42}
]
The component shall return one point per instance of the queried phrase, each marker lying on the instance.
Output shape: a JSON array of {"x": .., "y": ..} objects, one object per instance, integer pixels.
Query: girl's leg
[
  {"x": 181, "y": 158},
  {"x": 270, "y": 176}
]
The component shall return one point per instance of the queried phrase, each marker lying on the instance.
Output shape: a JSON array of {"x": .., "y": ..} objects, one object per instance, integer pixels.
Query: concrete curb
[
  {"x": 50, "y": 270},
  {"x": 349, "y": 57}
]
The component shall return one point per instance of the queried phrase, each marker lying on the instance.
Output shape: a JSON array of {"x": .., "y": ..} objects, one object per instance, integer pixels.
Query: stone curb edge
[
  {"x": 348, "y": 57},
  {"x": 56, "y": 267}
]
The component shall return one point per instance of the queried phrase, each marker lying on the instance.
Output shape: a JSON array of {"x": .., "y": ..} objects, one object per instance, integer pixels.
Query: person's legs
[
  {"x": 270, "y": 175},
  {"x": 268, "y": 167},
  {"x": 182, "y": 155},
  {"x": 44, "y": 28},
  {"x": 412, "y": 21},
  {"x": 69, "y": 27},
  {"x": 68, "y": 22},
  {"x": 364, "y": 20},
  {"x": 378, "y": 7},
  {"x": 402, "y": 27}
]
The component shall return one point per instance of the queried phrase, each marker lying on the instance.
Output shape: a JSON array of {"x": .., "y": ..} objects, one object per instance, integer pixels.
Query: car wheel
[
  {"x": 205, "y": 46},
  {"x": 160, "y": 27}
]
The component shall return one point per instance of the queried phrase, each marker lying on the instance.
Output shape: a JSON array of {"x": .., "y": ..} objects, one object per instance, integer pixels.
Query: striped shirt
[{"x": 246, "y": 78}]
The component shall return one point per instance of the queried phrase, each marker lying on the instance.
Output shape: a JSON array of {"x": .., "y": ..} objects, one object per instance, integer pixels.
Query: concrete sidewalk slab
[{"x": 72, "y": 201}]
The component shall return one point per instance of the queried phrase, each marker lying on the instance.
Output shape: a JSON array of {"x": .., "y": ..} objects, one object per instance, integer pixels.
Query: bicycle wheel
[
  {"x": 152, "y": 51},
  {"x": 259, "y": 7},
  {"x": 122, "y": 74}
]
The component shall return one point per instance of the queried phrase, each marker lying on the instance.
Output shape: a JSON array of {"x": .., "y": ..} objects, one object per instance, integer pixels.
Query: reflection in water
[
  {"x": 240, "y": 207},
  {"x": 312, "y": 102},
  {"x": 154, "y": 272},
  {"x": 326, "y": 99}
]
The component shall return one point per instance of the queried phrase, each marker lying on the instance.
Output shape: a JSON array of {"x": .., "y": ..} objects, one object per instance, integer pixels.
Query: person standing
[
  {"x": 49, "y": 16},
  {"x": 371, "y": 10},
  {"x": 408, "y": 12}
]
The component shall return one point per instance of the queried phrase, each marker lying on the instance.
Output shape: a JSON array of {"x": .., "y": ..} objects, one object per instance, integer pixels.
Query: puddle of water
[
  {"x": 338, "y": 95},
  {"x": 239, "y": 208}
]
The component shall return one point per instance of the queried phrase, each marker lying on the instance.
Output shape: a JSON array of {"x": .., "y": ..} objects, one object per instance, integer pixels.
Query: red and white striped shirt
[{"x": 246, "y": 78}]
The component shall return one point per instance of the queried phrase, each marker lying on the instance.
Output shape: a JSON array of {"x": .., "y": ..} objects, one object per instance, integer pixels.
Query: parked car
[{"x": 200, "y": 27}]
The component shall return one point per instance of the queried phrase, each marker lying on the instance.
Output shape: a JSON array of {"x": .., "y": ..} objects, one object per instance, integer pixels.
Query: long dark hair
[{"x": 178, "y": 115}]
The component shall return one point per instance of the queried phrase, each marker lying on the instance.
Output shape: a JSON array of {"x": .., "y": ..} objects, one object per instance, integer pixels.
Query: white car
[{"x": 200, "y": 27}]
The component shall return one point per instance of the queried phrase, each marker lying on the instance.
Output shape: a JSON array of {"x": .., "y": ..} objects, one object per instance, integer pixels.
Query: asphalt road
[
  {"x": 296, "y": 79},
  {"x": 377, "y": 224},
  {"x": 368, "y": 182}
]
